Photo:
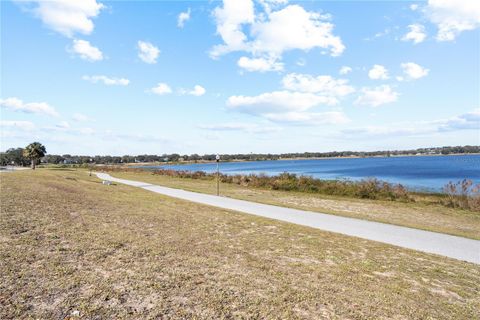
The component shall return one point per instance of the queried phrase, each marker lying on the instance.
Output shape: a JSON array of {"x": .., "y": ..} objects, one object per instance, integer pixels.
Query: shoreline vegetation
[
  {"x": 15, "y": 155},
  {"x": 462, "y": 194}
]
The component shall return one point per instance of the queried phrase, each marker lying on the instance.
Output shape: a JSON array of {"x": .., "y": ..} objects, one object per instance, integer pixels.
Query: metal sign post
[
  {"x": 217, "y": 157},
  {"x": 90, "y": 167}
]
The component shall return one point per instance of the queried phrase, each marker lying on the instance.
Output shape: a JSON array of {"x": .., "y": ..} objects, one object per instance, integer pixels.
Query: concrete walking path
[
  {"x": 12, "y": 168},
  {"x": 430, "y": 242}
]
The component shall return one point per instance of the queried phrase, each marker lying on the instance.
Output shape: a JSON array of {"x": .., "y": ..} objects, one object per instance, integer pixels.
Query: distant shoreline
[
  {"x": 188, "y": 162},
  {"x": 383, "y": 156}
]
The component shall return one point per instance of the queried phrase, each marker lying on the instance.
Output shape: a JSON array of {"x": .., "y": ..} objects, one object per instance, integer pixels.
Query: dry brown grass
[
  {"x": 68, "y": 243},
  {"x": 438, "y": 218}
]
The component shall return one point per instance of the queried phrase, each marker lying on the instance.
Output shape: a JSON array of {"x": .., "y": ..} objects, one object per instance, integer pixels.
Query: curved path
[{"x": 430, "y": 242}]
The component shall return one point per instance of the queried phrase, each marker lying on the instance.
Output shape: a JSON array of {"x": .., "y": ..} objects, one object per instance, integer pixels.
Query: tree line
[{"x": 18, "y": 157}]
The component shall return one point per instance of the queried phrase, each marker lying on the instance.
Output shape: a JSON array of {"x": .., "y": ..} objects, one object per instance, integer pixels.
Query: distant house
[{"x": 70, "y": 161}]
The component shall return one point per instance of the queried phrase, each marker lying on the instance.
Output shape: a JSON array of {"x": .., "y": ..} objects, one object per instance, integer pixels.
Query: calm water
[{"x": 419, "y": 172}]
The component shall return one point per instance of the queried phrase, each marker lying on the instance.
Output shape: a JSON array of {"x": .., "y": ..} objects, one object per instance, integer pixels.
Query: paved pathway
[
  {"x": 12, "y": 168},
  {"x": 430, "y": 242}
]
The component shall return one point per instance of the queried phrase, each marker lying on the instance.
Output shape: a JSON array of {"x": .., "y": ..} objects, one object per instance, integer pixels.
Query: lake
[{"x": 427, "y": 173}]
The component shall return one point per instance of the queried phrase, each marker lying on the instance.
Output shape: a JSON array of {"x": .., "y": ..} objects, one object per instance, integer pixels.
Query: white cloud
[
  {"x": 414, "y": 7},
  {"x": 466, "y": 121},
  {"x": 269, "y": 5},
  {"x": 229, "y": 20},
  {"x": 385, "y": 131},
  {"x": 244, "y": 127},
  {"x": 259, "y": 64},
  {"x": 278, "y": 102},
  {"x": 147, "y": 52},
  {"x": 452, "y": 17},
  {"x": 416, "y": 34},
  {"x": 86, "y": 131},
  {"x": 292, "y": 118},
  {"x": 107, "y": 81},
  {"x": 288, "y": 108},
  {"x": 86, "y": 51},
  {"x": 197, "y": 91},
  {"x": 295, "y": 104},
  {"x": 65, "y": 128},
  {"x": 414, "y": 71},
  {"x": 377, "y": 96},
  {"x": 310, "y": 118},
  {"x": 378, "y": 72},
  {"x": 139, "y": 137},
  {"x": 22, "y": 125},
  {"x": 161, "y": 89},
  {"x": 345, "y": 70},
  {"x": 324, "y": 84},
  {"x": 63, "y": 125},
  {"x": 380, "y": 34},
  {"x": 15, "y": 104},
  {"x": 271, "y": 32},
  {"x": 67, "y": 17},
  {"x": 301, "y": 62},
  {"x": 294, "y": 28},
  {"x": 79, "y": 117},
  {"x": 182, "y": 18}
]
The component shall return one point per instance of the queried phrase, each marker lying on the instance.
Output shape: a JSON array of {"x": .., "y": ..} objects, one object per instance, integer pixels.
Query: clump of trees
[
  {"x": 30, "y": 155},
  {"x": 13, "y": 156}
]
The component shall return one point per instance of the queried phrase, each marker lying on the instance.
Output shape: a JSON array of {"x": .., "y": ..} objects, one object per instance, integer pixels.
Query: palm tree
[{"x": 34, "y": 151}]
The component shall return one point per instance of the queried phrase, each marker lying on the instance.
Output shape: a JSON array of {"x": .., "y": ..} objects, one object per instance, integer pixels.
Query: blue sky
[{"x": 120, "y": 77}]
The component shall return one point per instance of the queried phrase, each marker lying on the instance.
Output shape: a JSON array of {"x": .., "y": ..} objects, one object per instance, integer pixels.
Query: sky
[{"x": 98, "y": 77}]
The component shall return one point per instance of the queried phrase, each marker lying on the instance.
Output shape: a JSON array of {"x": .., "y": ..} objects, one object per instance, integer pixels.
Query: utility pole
[{"x": 217, "y": 157}]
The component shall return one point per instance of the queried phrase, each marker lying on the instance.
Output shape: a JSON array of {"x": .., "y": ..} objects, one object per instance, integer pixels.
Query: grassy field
[
  {"x": 416, "y": 215},
  {"x": 71, "y": 247}
]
